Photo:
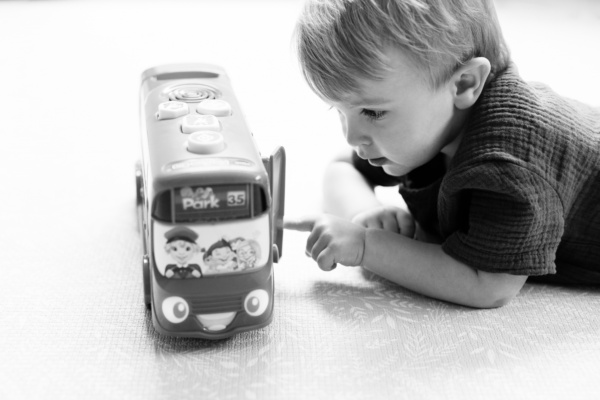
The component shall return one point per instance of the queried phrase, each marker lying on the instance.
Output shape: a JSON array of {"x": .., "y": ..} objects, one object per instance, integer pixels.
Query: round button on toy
[
  {"x": 216, "y": 107},
  {"x": 206, "y": 142}
]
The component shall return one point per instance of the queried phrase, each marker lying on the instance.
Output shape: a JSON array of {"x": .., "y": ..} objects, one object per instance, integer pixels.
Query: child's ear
[{"x": 469, "y": 81}]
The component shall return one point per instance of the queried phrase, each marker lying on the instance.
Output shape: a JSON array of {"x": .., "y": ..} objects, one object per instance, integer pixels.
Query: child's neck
[
  {"x": 450, "y": 150},
  {"x": 458, "y": 126}
]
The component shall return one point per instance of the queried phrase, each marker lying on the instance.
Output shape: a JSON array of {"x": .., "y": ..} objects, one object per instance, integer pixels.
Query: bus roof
[{"x": 165, "y": 146}]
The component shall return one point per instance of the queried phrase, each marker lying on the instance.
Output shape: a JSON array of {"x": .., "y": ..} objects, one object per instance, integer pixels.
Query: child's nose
[
  {"x": 352, "y": 132},
  {"x": 355, "y": 136}
]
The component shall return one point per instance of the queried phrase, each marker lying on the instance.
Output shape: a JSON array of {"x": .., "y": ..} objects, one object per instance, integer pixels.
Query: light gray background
[{"x": 72, "y": 320}]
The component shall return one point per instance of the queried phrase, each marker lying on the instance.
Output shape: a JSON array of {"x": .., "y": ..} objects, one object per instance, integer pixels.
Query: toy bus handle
[
  {"x": 183, "y": 71},
  {"x": 275, "y": 166}
]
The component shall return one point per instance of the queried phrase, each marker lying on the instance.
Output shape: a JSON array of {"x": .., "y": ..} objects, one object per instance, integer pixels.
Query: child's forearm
[
  {"x": 426, "y": 269},
  {"x": 346, "y": 192}
]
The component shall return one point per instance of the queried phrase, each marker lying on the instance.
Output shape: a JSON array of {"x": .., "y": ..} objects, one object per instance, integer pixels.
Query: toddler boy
[{"x": 501, "y": 177}]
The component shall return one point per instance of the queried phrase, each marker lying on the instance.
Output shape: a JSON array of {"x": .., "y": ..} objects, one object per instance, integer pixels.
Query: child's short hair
[{"x": 339, "y": 41}]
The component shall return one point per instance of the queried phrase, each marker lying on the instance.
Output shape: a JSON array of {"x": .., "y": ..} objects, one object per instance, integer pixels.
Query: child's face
[
  {"x": 181, "y": 250},
  {"x": 246, "y": 252},
  {"x": 399, "y": 123},
  {"x": 222, "y": 253}
]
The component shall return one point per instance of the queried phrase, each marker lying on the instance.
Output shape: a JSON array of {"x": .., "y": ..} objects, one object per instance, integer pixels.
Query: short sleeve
[{"x": 502, "y": 218}]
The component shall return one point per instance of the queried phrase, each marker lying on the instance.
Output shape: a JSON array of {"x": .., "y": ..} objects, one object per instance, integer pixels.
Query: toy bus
[{"x": 210, "y": 208}]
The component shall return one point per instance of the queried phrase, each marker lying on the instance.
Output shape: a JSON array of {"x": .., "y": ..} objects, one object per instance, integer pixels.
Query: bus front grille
[{"x": 216, "y": 304}]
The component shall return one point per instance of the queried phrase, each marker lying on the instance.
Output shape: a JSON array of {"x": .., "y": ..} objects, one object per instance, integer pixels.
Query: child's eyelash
[{"x": 372, "y": 114}]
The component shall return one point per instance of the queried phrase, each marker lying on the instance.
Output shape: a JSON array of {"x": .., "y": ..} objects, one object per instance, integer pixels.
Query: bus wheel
[{"x": 146, "y": 275}]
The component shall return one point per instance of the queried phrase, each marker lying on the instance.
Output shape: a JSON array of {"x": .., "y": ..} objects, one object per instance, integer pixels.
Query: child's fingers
[
  {"x": 406, "y": 224},
  {"x": 390, "y": 224},
  {"x": 316, "y": 248},
  {"x": 305, "y": 224},
  {"x": 313, "y": 236},
  {"x": 326, "y": 260},
  {"x": 373, "y": 223}
]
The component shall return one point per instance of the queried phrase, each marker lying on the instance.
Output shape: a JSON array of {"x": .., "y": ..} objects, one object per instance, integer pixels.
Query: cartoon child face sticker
[
  {"x": 247, "y": 251},
  {"x": 247, "y": 254},
  {"x": 222, "y": 254},
  {"x": 220, "y": 257},
  {"x": 181, "y": 251}
]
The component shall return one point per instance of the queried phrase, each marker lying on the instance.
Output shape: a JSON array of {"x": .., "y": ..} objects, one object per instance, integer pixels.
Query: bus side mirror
[{"x": 275, "y": 166}]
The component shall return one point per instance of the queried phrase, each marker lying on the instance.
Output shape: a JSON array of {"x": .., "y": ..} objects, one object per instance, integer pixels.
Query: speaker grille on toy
[{"x": 192, "y": 93}]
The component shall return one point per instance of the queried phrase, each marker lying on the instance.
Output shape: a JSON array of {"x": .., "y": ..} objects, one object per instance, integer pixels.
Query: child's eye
[{"x": 372, "y": 114}]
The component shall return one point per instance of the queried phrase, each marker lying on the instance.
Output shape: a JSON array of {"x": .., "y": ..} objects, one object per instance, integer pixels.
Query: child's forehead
[
  {"x": 181, "y": 243},
  {"x": 378, "y": 93},
  {"x": 401, "y": 76},
  {"x": 366, "y": 97}
]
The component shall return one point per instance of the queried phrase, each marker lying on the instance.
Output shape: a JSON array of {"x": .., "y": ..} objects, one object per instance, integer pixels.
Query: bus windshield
[
  {"x": 206, "y": 230},
  {"x": 185, "y": 251}
]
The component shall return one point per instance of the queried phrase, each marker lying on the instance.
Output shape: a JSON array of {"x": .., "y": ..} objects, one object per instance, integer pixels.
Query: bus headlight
[
  {"x": 175, "y": 309},
  {"x": 256, "y": 302}
]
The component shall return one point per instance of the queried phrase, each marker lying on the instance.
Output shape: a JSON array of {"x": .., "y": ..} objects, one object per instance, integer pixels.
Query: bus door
[{"x": 275, "y": 166}]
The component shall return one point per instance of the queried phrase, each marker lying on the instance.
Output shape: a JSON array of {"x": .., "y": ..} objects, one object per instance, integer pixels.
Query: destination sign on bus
[{"x": 208, "y": 202}]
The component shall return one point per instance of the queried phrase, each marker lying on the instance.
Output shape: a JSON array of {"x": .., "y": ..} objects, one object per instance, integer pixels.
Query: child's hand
[
  {"x": 332, "y": 240},
  {"x": 388, "y": 218}
]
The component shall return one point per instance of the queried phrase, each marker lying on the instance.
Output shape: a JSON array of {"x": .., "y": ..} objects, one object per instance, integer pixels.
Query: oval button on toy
[
  {"x": 172, "y": 109},
  {"x": 206, "y": 142},
  {"x": 193, "y": 123},
  {"x": 216, "y": 107}
]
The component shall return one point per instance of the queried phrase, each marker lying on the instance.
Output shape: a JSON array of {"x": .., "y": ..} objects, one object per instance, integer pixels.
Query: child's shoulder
[
  {"x": 525, "y": 129},
  {"x": 508, "y": 95}
]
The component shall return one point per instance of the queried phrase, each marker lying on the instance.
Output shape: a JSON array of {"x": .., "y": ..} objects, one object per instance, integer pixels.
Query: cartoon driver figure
[{"x": 181, "y": 246}]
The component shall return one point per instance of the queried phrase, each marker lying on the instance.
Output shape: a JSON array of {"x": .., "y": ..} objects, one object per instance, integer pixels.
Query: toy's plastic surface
[{"x": 210, "y": 207}]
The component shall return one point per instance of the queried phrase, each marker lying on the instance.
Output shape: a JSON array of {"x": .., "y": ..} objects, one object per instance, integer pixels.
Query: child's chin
[{"x": 395, "y": 170}]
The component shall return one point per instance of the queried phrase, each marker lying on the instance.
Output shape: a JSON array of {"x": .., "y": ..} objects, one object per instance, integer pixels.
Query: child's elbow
[
  {"x": 482, "y": 299},
  {"x": 497, "y": 290},
  {"x": 485, "y": 301},
  {"x": 494, "y": 301}
]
